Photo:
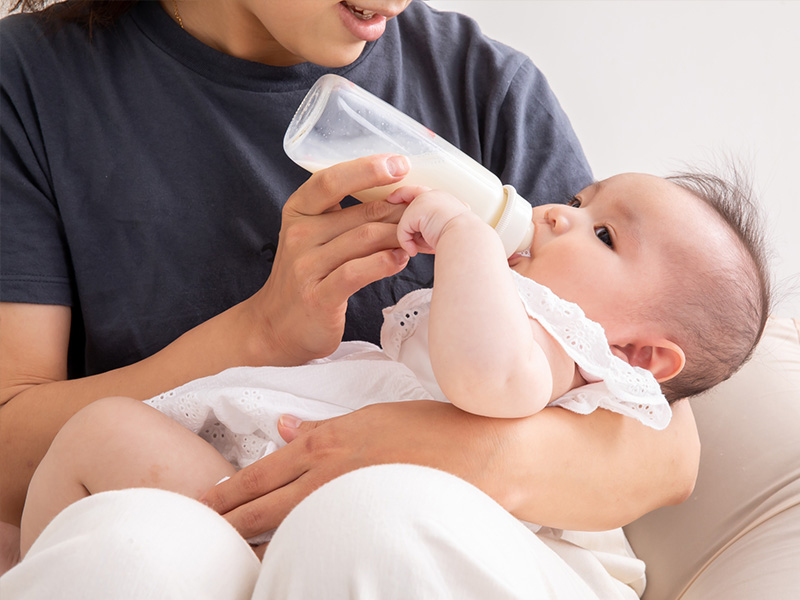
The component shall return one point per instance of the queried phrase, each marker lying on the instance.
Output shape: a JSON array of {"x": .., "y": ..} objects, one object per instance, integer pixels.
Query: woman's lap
[
  {"x": 403, "y": 531},
  {"x": 387, "y": 531}
]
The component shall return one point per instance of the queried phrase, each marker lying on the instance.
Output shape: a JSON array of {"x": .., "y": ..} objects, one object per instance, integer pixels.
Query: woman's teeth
[{"x": 361, "y": 13}]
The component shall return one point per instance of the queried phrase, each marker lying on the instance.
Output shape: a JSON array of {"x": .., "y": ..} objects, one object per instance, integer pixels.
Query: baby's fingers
[
  {"x": 412, "y": 242},
  {"x": 406, "y": 194}
]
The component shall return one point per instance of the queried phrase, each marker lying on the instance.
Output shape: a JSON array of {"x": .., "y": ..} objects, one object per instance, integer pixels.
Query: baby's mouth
[{"x": 359, "y": 13}]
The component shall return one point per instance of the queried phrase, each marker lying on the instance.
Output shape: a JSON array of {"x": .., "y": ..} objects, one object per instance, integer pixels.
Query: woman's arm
[
  {"x": 324, "y": 256},
  {"x": 37, "y": 399},
  {"x": 555, "y": 468}
]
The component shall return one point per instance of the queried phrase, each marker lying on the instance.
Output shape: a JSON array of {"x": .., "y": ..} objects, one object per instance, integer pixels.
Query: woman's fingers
[
  {"x": 359, "y": 242},
  {"x": 360, "y": 251},
  {"x": 351, "y": 276},
  {"x": 314, "y": 231},
  {"x": 266, "y": 512},
  {"x": 326, "y": 275},
  {"x": 324, "y": 256},
  {"x": 254, "y": 481},
  {"x": 260, "y": 550},
  {"x": 326, "y": 188},
  {"x": 258, "y": 498}
]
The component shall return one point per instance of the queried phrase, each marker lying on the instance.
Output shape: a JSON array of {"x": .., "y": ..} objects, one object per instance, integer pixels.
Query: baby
[{"x": 669, "y": 275}]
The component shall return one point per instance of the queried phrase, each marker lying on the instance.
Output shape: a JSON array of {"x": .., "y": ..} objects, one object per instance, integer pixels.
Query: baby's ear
[{"x": 663, "y": 358}]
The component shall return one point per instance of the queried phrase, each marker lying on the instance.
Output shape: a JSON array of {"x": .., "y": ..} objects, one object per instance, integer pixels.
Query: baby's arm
[
  {"x": 488, "y": 356},
  {"x": 113, "y": 444}
]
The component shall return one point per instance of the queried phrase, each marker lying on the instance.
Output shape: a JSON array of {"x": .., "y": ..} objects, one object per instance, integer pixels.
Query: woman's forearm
[
  {"x": 36, "y": 407},
  {"x": 531, "y": 466},
  {"x": 591, "y": 472}
]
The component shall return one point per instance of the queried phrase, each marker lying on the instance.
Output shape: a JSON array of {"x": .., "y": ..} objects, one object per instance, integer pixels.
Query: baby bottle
[{"x": 339, "y": 121}]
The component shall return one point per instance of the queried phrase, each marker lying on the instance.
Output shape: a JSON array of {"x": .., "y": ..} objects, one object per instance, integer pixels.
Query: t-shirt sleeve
[
  {"x": 536, "y": 149},
  {"x": 35, "y": 259}
]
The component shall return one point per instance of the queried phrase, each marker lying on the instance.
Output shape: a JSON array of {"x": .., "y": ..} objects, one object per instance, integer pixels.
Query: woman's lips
[{"x": 362, "y": 23}]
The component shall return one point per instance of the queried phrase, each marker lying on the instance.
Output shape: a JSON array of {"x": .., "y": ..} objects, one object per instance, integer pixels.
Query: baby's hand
[{"x": 424, "y": 220}]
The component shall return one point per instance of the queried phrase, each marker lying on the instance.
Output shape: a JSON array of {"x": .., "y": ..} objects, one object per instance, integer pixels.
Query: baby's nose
[{"x": 558, "y": 217}]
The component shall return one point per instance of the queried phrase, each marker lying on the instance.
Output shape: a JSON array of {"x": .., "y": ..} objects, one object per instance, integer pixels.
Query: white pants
[{"x": 391, "y": 531}]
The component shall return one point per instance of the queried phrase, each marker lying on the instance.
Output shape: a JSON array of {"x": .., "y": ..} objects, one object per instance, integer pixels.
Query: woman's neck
[{"x": 228, "y": 26}]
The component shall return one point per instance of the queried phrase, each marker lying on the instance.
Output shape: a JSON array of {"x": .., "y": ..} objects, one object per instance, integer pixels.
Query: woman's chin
[{"x": 340, "y": 58}]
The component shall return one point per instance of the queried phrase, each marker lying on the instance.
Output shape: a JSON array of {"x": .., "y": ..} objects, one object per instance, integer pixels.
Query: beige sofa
[{"x": 738, "y": 536}]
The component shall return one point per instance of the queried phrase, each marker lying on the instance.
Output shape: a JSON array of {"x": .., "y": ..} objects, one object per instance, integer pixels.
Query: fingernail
[
  {"x": 289, "y": 421},
  {"x": 397, "y": 165}
]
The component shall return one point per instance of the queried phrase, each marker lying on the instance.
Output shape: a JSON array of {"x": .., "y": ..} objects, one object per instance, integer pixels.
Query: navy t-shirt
[{"x": 143, "y": 172}]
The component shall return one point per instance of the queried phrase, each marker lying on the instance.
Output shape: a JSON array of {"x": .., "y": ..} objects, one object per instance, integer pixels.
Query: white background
[{"x": 651, "y": 85}]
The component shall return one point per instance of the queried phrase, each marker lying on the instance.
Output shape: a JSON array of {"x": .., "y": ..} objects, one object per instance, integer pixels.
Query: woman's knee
[{"x": 136, "y": 543}]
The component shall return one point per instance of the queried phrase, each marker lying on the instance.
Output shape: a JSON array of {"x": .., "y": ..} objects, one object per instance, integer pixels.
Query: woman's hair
[
  {"x": 89, "y": 13},
  {"x": 723, "y": 311}
]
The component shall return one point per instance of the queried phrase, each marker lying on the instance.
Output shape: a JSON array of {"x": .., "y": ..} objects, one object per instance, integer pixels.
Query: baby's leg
[{"x": 113, "y": 444}]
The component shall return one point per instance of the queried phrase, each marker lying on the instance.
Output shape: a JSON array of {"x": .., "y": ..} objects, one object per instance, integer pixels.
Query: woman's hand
[
  {"x": 556, "y": 468},
  {"x": 325, "y": 254},
  {"x": 258, "y": 497}
]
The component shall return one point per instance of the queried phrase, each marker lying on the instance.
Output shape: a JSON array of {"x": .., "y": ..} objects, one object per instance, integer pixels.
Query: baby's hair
[{"x": 723, "y": 312}]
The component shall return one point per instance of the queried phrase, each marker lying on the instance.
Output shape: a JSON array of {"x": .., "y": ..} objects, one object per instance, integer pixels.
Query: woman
[{"x": 143, "y": 183}]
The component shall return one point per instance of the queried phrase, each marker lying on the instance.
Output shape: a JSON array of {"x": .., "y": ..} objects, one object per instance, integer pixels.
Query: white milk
[{"x": 485, "y": 197}]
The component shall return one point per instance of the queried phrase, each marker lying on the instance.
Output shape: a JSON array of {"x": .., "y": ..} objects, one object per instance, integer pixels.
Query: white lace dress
[{"x": 237, "y": 410}]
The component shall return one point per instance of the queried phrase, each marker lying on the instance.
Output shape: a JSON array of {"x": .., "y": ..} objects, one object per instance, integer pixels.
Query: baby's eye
[
  {"x": 604, "y": 236},
  {"x": 574, "y": 202}
]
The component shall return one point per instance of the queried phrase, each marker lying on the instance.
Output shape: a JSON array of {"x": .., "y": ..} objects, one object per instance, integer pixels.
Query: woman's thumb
[{"x": 290, "y": 427}]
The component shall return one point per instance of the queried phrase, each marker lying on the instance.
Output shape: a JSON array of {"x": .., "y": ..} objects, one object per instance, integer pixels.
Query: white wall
[{"x": 650, "y": 85}]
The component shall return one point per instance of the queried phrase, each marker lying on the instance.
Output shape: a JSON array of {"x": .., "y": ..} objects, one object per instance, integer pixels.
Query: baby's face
[{"x": 610, "y": 249}]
